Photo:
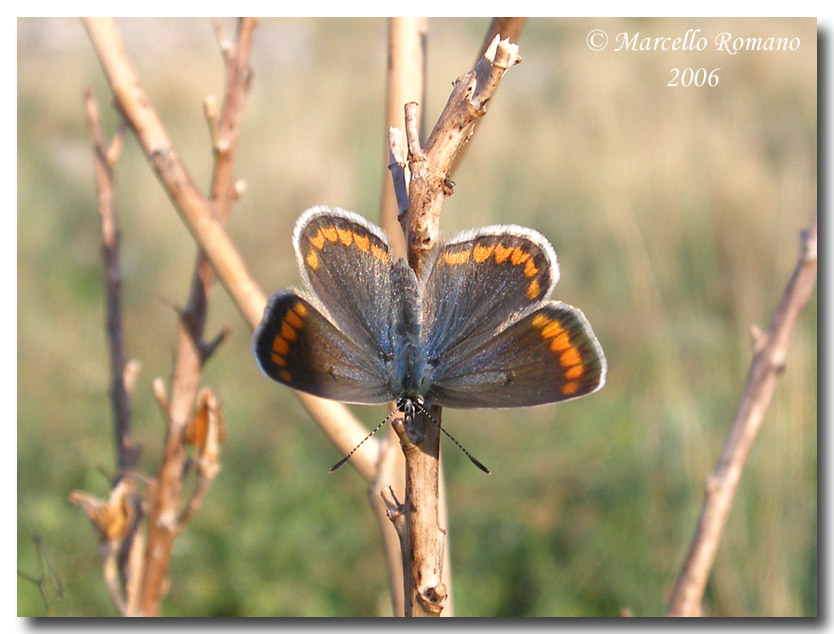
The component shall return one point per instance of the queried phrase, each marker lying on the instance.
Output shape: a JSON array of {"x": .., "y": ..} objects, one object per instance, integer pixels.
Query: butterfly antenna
[
  {"x": 474, "y": 460},
  {"x": 353, "y": 451}
]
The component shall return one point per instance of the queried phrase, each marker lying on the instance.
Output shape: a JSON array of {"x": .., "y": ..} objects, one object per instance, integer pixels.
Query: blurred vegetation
[{"x": 675, "y": 213}]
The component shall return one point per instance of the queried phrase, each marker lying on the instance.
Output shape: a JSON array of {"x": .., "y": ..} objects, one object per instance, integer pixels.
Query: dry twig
[
  {"x": 405, "y": 82},
  {"x": 202, "y": 218},
  {"x": 118, "y": 519},
  {"x": 341, "y": 427},
  {"x": 769, "y": 353},
  {"x": 46, "y": 573},
  {"x": 104, "y": 158},
  {"x": 143, "y": 569},
  {"x": 507, "y": 28},
  {"x": 432, "y": 165},
  {"x": 423, "y": 535},
  {"x": 192, "y": 351}
]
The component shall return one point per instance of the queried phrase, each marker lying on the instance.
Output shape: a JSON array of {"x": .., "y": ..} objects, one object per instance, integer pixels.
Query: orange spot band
[
  {"x": 570, "y": 388},
  {"x": 570, "y": 357},
  {"x": 379, "y": 254},
  {"x": 540, "y": 321},
  {"x": 330, "y": 233},
  {"x": 560, "y": 342},
  {"x": 363, "y": 242},
  {"x": 502, "y": 253},
  {"x": 454, "y": 259},
  {"x": 287, "y": 331},
  {"x": 293, "y": 319},
  {"x": 318, "y": 240},
  {"x": 280, "y": 346},
  {"x": 278, "y": 360},
  {"x": 552, "y": 329},
  {"x": 519, "y": 256},
  {"x": 481, "y": 253},
  {"x": 345, "y": 236}
]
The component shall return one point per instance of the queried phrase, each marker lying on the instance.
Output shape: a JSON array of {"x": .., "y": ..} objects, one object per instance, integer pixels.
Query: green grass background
[{"x": 675, "y": 213}]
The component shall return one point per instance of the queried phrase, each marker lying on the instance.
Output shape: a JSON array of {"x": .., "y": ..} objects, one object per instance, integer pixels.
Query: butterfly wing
[
  {"x": 295, "y": 344},
  {"x": 345, "y": 262},
  {"x": 479, "y": 280},
  {"x": 550, "y": 354}
]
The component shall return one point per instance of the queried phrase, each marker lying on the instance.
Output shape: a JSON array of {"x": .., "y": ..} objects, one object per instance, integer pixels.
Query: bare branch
[
  {"x": 506, "y": 28},
  {"x": 424, "y": 544},
  {"x": 334, "y": 418},
  {"x": 191, "y": 350},
  {"x": 126, "y": 452},
  {"x": 770, "y": 352},
  {"x": 397, "y": 164},
  {"x": 118, "y": 519},
  {"x": 430, "y": 174},
  {"x": 412, "y": 131},
  {"x": 46, "y": 572},
  {"x": 198, "y": 214},
  {"x": 390, "y": 478},
  {"x": 406, "y": 83},
  {"x": 430, "y": 165}
]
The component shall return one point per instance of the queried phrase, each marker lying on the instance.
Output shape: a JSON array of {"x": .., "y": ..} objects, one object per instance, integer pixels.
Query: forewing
[
  {"x": 345, "y": 262},
  {"x": 548, "y": 355},
  {"x": 298, "y": 346},
  {"x": 480, "y": 280}
]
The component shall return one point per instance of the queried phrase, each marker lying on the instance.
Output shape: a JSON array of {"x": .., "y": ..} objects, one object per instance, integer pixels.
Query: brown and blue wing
[{"x": 295, "y": 344}]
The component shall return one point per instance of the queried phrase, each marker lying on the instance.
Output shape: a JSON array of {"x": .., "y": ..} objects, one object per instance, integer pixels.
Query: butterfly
[{"x": 476, "y": 331}]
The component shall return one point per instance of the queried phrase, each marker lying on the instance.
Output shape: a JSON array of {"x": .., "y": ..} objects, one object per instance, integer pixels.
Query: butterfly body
[{"x": 477, "y": 331}]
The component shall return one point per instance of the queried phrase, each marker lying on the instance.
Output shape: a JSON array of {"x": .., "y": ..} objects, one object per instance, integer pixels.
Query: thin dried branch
[
  {"x": 191, "y": 350},
  {"x": 406, "y": 82},
  {"x": 424, "y": 542},
  {"x": 104, "y": 158},
  {"x": 47, "y": 572},
  {"x": 110, "y": 572},
  {"x": 506, "y": 28},
  {"x": 118, "y": 519},
  {"x": 431, "y": 169},
  {"x": 770, "y": 352},
  {"x": 341, "y": 427},
  {"x": 207, "y": 348},
  {"x": 199, "y": 215},
  {"x": 390, "y": 474},
  {"x": 397, "y": 165}
]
